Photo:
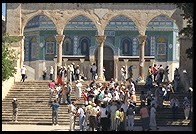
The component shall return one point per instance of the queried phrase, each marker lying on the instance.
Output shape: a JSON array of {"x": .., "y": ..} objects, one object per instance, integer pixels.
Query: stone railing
[{"x": 7, "y": 84}]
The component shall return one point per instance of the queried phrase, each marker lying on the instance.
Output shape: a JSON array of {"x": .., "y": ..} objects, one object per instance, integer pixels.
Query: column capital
[
  {"x": 65, "y": 60},
  {"x": 59, "y": 38},
  {"x": 126, "y": 60},
  {"x": 142, "y": 38},
  {"x": 100, "y": 39},
  {"x": 21, "y": 37},
  {"x": 82, "y": 60}
]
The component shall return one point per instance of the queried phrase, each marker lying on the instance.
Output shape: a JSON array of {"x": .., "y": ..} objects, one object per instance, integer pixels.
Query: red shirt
[
  {"x": 51, "y": 85},
  {"x": 154, "y": 70}
]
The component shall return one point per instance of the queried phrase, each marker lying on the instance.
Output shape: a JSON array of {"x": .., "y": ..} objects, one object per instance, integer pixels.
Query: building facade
[{"x": 111, "y": 35}]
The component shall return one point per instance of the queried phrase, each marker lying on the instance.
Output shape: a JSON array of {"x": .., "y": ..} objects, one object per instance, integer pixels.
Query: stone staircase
[{"x": 33, "y": 97}]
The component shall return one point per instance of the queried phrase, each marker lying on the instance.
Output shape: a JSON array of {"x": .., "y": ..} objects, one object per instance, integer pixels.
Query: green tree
[
  {"x": 9, "y": 57},
  {"x": 188, "y": 30}
]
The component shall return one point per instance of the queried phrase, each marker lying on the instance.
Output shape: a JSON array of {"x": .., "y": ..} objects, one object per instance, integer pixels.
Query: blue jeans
[
  {"x": 68, "y": 99},
  {"x": 81, "y": 122}
]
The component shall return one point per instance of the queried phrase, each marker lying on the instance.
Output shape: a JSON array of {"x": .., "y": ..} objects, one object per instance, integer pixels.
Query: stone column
[
  {"x": 55, "y": 68},
  {"x": 59, "y": 39},
  {"x": 116, "y": 68},
  {"x": 142, "y": 41},
  {"x": 126, "y": 68},
  {"x": 21, "y": 41},
  {"x": 100, "y": 39}
]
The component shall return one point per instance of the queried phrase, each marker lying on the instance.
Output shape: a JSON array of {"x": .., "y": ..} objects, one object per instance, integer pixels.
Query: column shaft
[
  {"x": 59, "y": 39},
  {"x": 100, "y": 40},
  {"x": 142, "y": 40}
]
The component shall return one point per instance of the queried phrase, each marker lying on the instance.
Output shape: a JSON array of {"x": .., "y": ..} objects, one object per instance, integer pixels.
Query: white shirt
[
  {"x": 81, "y": 112},
  {"x": 23, "y": 70},
  {"x": 94, "y": 68},
  {"x": 103, "y": 111},
  {"x": 51, "y": 70}
]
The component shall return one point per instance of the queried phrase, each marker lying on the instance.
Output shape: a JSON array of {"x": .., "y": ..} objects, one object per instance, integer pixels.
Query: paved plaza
[{"x": 66, "y": 128}]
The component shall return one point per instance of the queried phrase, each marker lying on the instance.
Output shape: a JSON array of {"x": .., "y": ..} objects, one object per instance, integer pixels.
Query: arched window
[
  {"x": 147, "y": 47},
  {"x": 84, "y": 46},
  {"x": 67, "y": 46},
  {"x": 126, "y": 47},
  {"x": 34, "y": 50}
]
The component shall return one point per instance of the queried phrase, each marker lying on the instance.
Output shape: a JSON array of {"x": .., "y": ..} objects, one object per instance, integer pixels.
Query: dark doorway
[{"x": 108, "y": 62}]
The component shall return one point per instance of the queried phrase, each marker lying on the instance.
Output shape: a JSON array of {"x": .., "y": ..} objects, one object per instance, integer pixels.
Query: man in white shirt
[
  {"x": 94, "y": 71},
  {"x": 113, "y": 109},
  {"x": 81, "y": 114},
  {"x": 23, "y": 73},
  {"x": 72, "y": 114}
]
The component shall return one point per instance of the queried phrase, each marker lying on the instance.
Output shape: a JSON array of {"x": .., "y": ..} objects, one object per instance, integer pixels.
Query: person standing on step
[
  {"x": 153, "y": 124},
  {"x": 174, "y": 104},
  {"x": 51, "y": 86},
  {"x": 15, "y": 105},
  {"x": 23, "y": 73},
  {"x": 72, "y": 115},
  {"x": 55, "y": 107},
  {"x": 93, "y": 70},
  {"x": 51, "y": 72},
  {"x": 123, "y": 73},
  {"x": 144, "y": 117},
  {"x": 44, "y": 73},
  {"x": 186, "y": 107},
  {"x": 68, "y": 92},
  {"x": 131, "y": 115}
]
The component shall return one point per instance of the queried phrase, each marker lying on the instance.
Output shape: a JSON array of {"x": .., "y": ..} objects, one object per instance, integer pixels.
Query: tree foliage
[
  {"x": 188, "y": 30},
  {"x": 9, "y": 57}
]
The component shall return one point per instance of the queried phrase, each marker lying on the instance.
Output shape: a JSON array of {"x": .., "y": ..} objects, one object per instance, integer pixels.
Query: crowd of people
[{"x": 111, "y": 106}]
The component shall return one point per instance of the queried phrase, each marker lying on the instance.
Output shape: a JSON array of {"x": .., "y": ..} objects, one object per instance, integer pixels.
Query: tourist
[
  {"x": 72, "y": 115},
  {"x": 77, "y": 73},
  {"x": 122, "y": 119},
  {"x": 15, "y": 105},
  {"x": 154, "y": 71},
  {"x": 44, "y": 73},
  {"x": 174, "y": 105},
  {"x": 123, "y": 73},
  {"x": 51, "y": 86},
  {"x": 93, "y": 117},
  {"x": 81, "y": 114},
  {"x": 51, "y": 72},
  {"x": 113, "y": 109},
  {"x": 166, "y": 73},
  {"x": 59, "y": 76},
  {"x": 103, "y": 117},
  {"x": 144, "y": 117},
  {"x": 78, "y": 90},
  {"x": 55, "y": 107},
  {"x": 153, "y": 124},
  {"x": 23, "y": 73},
  {"x": 93, "y": 71},
  {"x": 186, "y": 107},
  {"x": 68, "y": 90},
  {"x": 131, "y": 115}
]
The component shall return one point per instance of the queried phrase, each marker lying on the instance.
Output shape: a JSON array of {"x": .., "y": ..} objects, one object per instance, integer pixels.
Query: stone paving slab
[{"x": 66, "y": 128}]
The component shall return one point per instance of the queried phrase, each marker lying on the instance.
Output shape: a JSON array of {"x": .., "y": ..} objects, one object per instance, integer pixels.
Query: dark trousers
[
  {"x": 174, "y": 112},
  {"x": 104, "y": 123}
]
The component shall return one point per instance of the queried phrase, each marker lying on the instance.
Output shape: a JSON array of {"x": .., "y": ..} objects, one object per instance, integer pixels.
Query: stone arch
[
  {"x": 31, "y": 16},
  {"x": 161, "y": 14},
  {"x": 72, "y": 16},
  {"x": 130, "y": 17}
]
